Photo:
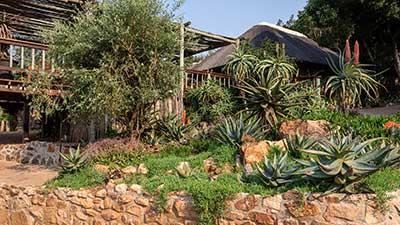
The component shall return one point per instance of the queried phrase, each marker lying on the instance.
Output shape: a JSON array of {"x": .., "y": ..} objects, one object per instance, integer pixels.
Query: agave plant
[
  {"x": 350, "y": 82},
  {"x": 232, "y": 130},
  {"x": 172, "y": 128},
  {"x": 268, "y": 98},
  {"x": 297, "y": 143},
  {"x": 74, "y": 160},
  {"x": 278, "y": 171},
  {"x": 343, "y": 161},
  {"x": 241, "y": 65}
]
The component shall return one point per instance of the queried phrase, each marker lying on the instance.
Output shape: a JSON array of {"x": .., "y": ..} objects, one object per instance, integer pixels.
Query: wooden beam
[
  {"x": 211, "y": 35},
  {"x": 28, "y": 44}
]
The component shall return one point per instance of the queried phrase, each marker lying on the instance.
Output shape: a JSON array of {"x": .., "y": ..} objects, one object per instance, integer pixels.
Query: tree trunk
[{"x": 397, "y": 61}]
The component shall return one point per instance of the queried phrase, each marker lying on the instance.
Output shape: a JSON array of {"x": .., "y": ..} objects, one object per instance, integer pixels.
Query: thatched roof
[
  {"x": 27, "y": 18},
  {"x": 298, "y": 47}
]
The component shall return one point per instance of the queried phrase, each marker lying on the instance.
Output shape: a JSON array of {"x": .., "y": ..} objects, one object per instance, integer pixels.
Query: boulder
[
  {"x": 309, "y": 128},
  {"x": 254, "y": 152}
]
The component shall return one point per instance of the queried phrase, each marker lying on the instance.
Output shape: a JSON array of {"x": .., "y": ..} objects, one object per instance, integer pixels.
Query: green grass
[
  {"x": 382, "y": 182},
  {"x": 85, "y": 178}
]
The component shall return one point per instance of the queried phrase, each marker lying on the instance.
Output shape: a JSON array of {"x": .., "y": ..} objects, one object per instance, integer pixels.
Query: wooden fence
[{"x": 195, "y": 79}]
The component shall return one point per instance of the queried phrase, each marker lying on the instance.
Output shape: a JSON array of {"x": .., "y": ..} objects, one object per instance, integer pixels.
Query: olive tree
[{"x": 118, "y": 57}]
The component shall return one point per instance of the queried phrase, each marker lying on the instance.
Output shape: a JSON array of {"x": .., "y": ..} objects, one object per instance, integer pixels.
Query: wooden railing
[
  {"x": 25, "y": 57},
  {"x": 195, "y": 79}
]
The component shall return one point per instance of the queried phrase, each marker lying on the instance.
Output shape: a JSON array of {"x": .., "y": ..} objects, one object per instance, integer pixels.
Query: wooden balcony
[
  {"x": 195, "y": 79},
  {"x": 24, "y": 59}
]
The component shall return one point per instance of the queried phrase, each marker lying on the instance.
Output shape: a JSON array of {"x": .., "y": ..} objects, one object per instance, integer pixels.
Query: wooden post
[
  {"x": 26, "y": 121},
  {"x": 182, "y": 67},
  {"x": 92, "y": 131},
  {"x": 11, "y": 56},
  {"x": 33, "y": 59},
  {"x": 43, "y": 60},
  {"x": 22, "y": 57}
]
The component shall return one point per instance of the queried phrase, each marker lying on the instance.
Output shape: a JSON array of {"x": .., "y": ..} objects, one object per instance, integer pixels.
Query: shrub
[
  {"x": 232, "y": 130},
  {"x": 210, "y": 101}
]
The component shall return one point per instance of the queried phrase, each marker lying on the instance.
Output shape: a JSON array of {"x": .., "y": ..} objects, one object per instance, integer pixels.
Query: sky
[{"x": 234, "y": 17}]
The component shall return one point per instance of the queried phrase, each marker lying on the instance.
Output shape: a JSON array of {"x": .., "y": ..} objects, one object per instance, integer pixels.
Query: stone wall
[
  {"x": 120, "y": 204},
  {"x": 39, "y": 153}
]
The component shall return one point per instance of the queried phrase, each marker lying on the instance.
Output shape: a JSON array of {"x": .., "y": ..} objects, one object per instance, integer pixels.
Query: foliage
[
  {"x": 344, "y": 161},
  {"x": 119, "y": 58},
  {"x": 241, "y": 64},
  {"x": 331, "y": 23},
  {"x": 3, "y": 115},
  {"x": 172, "y": 129},
  {"x": 232, "y": 130},
  {"x": 268, "y": 98},
  {"x": 278, "y": 171},
  {"x": 350, "y": 83},
  {"x": 74, "y": 160},
  {"x": 210, "y": 101}
]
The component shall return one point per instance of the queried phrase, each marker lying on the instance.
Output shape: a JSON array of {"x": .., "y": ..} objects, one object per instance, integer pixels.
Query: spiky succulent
[
  {"x": 295, "y": 144},
  {"x": 278, "y": 171},
  {"x": 232, "y": 130},
  {"x": 343, "y": 161},
  {"x": 74, "y": 160},
  {"x": 172, "y": 129}
]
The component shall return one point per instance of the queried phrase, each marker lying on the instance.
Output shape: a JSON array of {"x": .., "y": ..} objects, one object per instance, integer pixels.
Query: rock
[
  {"x": 298, "y": 210},
  {"x": 308, "y": 128},
  {"x": 102, "y": 168},
  {"x": 246, "y": 203},
  {"x": 183, "y": 169},
  {"x": 210, "y": 166},
  {"x": 254, "y": 152},
  {"x": 142, "y": 169},
  {"x": 262, "y": 218},
  {"x": 109, "y": 215},
  {"x": 347, "y": 211},
  {"x": 130, "y": 170},
  {"x": 101, "y": 193},
  {"x": 136, "y": 188},
  {"x": 121, "y": 188}
]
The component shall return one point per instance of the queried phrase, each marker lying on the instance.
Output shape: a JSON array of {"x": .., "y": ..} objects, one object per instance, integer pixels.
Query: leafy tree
[{"x": 118, "y": 57}]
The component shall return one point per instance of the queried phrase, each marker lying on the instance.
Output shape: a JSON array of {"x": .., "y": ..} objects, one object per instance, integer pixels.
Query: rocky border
[{"x": 120, "y": 204}]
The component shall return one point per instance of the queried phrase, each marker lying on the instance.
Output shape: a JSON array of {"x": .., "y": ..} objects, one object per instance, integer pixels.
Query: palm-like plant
[
  {"x": 268, "y": 98},
  {"x": 343, "y": 161},
  {"x": 278, "y": 66},
  {"x": 232, "y": 130},
  {"x": 350, "y": 82},
  {"x": 241, "y": 65}
]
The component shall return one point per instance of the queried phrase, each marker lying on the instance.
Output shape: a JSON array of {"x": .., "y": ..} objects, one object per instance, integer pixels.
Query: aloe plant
[
  {"x": 241, "y": 65},
  {"x": 343, "y": 161},
  {"x": 232, "y": 130},
  {"x": 74, "y": 160},
  {"x": 350, "y": 82},
  {"x": 278, "y": 171},
  {"x": 268, "y": 98},
  {"x": 172, "y": 128}
]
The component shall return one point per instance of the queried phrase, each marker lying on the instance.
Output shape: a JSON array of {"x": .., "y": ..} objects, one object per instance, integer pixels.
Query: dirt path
[
  {"x": 13, "y": 173},
  {"x": 382, "y": 111}
]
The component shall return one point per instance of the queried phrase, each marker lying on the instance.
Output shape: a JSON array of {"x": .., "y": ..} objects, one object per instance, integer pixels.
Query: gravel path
[{"x": 17, "y": 174}]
